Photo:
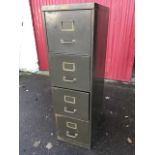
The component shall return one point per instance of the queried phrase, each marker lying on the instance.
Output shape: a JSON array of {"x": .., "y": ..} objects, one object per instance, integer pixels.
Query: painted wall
[
  {"x": 120, "y": 45},
  {"x": 28, "y": 60}
]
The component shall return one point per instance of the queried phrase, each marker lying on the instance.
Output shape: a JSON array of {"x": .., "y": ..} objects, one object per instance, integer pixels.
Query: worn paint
[
  {"x": 36, "y": 143},
  {"x": 49, "y": 146}
]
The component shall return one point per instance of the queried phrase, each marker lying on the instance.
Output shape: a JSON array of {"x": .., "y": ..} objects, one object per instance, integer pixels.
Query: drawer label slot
[
  {"x": 69, "y": 99},
  {"x": 71, "y": 125},
  {"x": 68, "y": 66},
  {"x": 67, "y": 26}
]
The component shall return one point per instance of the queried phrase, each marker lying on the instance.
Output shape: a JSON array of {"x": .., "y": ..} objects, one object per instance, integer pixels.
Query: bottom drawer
[{"x": 73, "y": 131}]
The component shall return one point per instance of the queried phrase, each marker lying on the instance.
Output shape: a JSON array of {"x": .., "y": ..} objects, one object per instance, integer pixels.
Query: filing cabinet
[{"x": 76, "y": 38}]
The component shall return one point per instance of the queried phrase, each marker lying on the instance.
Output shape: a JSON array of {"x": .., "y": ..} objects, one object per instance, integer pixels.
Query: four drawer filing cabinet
[{"x": 76, "y": 36}]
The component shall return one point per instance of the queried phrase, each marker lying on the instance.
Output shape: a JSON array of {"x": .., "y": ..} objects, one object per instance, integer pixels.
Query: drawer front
[
  {"x": 69, "y": 31},
  {"x": 71, "y": 103},
  {"x": 72, "y": 130},
  {"x": 70, "y": 71}
]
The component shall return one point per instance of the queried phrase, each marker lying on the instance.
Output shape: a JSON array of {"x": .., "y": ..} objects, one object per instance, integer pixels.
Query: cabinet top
[{"x": 80, "y": 6}]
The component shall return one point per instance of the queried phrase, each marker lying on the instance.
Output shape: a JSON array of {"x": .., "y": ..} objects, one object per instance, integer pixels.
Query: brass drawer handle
[
  {"x": 69, "y": 111},
  {"x": 69, "y": 99},
  {"x": 68, "y": 66},
  {"x": 71, "y": 125},
  {"x": 62, "y": 41},
  {"x": 69, "y": 80},
  {"x": 71, "y": 136}
]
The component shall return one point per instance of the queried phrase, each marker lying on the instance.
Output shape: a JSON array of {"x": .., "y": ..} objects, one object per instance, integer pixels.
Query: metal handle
[
  {"x": 62, "y": 41},
  {"x": 69, "y": 111},
  {"x": 68, "y": 80},
  {"x": 71, "y": 136}
]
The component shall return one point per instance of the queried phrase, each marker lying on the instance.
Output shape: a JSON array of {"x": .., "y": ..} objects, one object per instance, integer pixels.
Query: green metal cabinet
[{"x": 72, "y": 35}]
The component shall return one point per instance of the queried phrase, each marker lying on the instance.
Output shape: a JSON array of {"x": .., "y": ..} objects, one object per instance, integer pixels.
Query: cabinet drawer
[
  {"x": 69, "y": 31},
  {"x": 73, "y": 130},
  {"x": 70, "y": 71},
  {"x": 71, "y": 103}
]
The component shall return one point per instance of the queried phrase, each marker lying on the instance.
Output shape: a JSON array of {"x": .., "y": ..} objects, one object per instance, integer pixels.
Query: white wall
[{"x": 28, "y": 60}]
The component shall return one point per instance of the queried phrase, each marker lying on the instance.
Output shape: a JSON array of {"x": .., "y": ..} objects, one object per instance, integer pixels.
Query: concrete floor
[{"x": 117, "y": 130}]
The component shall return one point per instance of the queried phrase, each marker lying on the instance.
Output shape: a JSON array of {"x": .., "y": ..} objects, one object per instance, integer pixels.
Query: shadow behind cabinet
[{"x": 76, "y": 37}]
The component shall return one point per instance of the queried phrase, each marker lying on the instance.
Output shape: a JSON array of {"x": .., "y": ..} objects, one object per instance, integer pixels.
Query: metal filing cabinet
[{"x": 76, "y": 36}]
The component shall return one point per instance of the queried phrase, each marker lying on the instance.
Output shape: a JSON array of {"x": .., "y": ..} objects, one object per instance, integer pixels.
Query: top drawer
[{"x": 69, "y": 31}]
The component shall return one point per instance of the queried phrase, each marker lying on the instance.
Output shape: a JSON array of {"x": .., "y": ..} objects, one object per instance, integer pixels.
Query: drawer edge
[{"x": 88, "y": 146}]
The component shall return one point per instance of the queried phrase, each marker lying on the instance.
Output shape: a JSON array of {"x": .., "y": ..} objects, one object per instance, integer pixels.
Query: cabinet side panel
[
  {"x": 101, "y": 30},
  {"x": 97, "y": 110},
  {"x": 100, "y": 39}
]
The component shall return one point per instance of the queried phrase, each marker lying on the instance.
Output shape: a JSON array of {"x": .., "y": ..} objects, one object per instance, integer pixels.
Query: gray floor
[{"x": 117, "y": 130}]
